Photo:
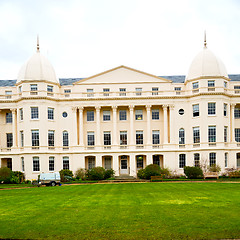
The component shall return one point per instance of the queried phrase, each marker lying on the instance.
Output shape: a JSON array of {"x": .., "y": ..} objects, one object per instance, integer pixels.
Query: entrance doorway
[
  {"x": 6, "y": 162},
  {"x": 158, "y": 159},
  {"x": 124, "y": 165}
]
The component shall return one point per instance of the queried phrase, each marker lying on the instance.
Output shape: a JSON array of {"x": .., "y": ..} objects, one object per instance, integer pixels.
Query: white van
[{"x": 51, "y": 179}]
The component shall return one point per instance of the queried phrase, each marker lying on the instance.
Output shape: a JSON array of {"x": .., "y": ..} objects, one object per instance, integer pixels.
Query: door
[{"x": 124, "y": 166}]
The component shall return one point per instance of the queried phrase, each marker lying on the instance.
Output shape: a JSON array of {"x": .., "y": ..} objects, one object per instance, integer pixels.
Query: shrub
[
  {"x": 109, "y": 173},
  {"x": 65, "y": 175},
  {"x": 148, "y": 171},
  {"x": 140, "y": 174},
  {"x": 193, "y": 172},
  {"x": 214, "y": 168},
  {"x": 165, "y": 172},
  {"x": 96, "y": 173},
  {"x": 5, "y": 174},
  {"x": 17, "y": 177},
  {"x": 80, "y": 173}
]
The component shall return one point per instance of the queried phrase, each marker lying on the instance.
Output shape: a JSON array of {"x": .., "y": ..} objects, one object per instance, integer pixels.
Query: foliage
[
  {"x": 214, "y": 168},
  {"x": 80, "y": 173},
  {"x": 165, "y": 172},
  {"x": 17, "y": 177},
  {"x": 148, "y": 171},
  {"x": 65, "y": 174},
  {"x": 99, "y": 173},
  {"x": 5, "y": 174},
  {"x": 193, "y": 172}
]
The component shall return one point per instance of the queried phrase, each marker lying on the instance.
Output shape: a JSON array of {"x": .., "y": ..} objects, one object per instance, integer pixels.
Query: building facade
[{"x": 122, "y": 119}]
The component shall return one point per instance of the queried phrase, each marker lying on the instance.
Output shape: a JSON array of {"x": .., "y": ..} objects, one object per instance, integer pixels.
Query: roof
[{"x": 70, "y": 81}]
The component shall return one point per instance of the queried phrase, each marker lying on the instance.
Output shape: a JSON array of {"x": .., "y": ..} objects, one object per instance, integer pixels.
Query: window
[
  {"x": 122, "y": 91},
  {"x": 8, "y": 94},
  {"x": 107, "y": 138},
  {"x": 211, "y": 133},
  {"x": 181, "y": 136},
  {"x": 122, "y": 115},
  {"x": 225, "y": 133},
  {"x": 65, "y": 162},
  {"x": 21, "y": 114},
  {"x": 64, "y": 114},
  {"x": 91, "y": 162},
  {"x": 139, "y": 161},
  {"x": 50, "y": 138},
  {"x": 21, "y": 139},
  {"x": 195, "y": 110},
  {"x": 212, "y": 159},
  {"x": 181, "y": 111},
  {"x": 51, "y": 164},
  {"x": 90, "y": 138},
  {"x": 34, "y": 112},
  {"x": 67, "y": 92},
  {"x": 9, "y": 117},
  {"x": 139, "y": 137},
  {"x": 90, "y": 116},
  {"x": 106, "y": 116},
  {"x": 108, "y": 162},
  {"x": 123, "y": 137},
  {"x": 49, "y": 90},
  {"x": 195, "y": 85},
  {"x": 182, "y": 160},
  {"x": 155, "y": 137},
  {"x": 237, "y": 89},
  {"x": 50, "y": 113},
  {"x": 33, "y": 89},
  {"x": 90, "y": 93},
  {"x": 138, "y": 91},
  {"x": 155, "y": 91},
  {"x": 23, "y": 165},
  {"x": 196, "y": 135},
  {"x": 106, "y": 92},
  {"x": 9, "y": 163},
  {"x": 20, "y": 89},
  {"x": 65, "y": 139},
  {"x": 156, "y": 160},
  {"x": 211, "y": 85},
  {"x": 224, "y": 109},
  {"x": 177, "y": 88},
  {"x": 211, "y": 108},
  {"x": 139, "y": 114},
  {"x": 236, "y": 112},
  {"x": 238, "y": 160},
  {"x": 9, "y": 140},
  {"x": 36, "y": 164},
  {"x": 226, "y": 159},
  {"x": 35, "y": 137},
  {"x": 196, "y": 160},
  {"x": 155, "y": 114},
  {"x": 225, "y": 84},
  {"x": 237, "y": 134}
]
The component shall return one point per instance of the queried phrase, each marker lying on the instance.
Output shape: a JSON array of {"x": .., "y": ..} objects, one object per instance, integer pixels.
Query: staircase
[{"x": 125, "y": 177}]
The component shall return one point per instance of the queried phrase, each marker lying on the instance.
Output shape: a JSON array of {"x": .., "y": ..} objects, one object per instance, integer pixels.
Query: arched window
[
  {"x": 65, "y": 139},
  {"x": 181, "y": 136}
]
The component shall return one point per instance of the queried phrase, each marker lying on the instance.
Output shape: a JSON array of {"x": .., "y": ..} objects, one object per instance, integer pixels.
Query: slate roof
[{"x": 70, "y": 81}]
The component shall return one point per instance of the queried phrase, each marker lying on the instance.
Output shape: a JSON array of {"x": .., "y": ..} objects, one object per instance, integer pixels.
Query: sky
[{"x": 82, "y": 38}]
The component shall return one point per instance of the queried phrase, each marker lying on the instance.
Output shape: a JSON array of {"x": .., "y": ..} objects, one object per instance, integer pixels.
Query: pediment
[{"x": 122, "y": 74}]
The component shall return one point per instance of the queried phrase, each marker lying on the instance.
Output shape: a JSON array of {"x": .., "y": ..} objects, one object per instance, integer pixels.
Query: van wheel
[{"x": 53, "y": 184}]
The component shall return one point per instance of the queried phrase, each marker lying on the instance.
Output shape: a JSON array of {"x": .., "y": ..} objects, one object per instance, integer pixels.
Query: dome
[
  {"x": 37, "y": 68},
  {"x": 206, "y": 64}
]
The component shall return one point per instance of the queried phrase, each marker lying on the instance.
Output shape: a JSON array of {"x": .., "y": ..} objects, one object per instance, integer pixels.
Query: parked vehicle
[{"x": 50, "y": 179}]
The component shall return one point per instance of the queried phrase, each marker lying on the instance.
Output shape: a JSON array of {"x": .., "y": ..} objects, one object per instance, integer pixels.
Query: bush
[
  {"x": 165, "y": 172},
  {"x": 65, "y": 175},
  {"x": 5, "y": 174},
  {"x": 214, "y": 168},
  {"x": 148, "y": 171},
  {"x": 99, "y": 173},
  {"x": 193, "y": 172},
  {"x": 80, "y": 173},
  {"x": 140, "y": 174},
  {"x": 17, "y": 177}
]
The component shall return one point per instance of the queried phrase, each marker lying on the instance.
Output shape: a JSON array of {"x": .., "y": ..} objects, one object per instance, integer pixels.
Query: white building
[{"x": 123, "y": 119}]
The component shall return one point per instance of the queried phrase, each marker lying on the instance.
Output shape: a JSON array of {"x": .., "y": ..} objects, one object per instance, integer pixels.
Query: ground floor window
[
  {"x": 182, "y": 160},
  {"x": 212, "y": 159},
  {"x": 196, "y": 159},
  {"x": 36, "y": 164},
  {"x": 140, "y": 161},
  {"x": 226, "y": 160},
  {"x": 156, "y": 160},
  {"x": 91, "y": 162},
  {"x": 9, "y": 163},
  {"x": 51, "y": 163},
  {"x": 23, "y": 165},
  {"x": 65, "y": 162},
  {"x": 108, "y": 162},
  {"x": 238, "y": 160}
]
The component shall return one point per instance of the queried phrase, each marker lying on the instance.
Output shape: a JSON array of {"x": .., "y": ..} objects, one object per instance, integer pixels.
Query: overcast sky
[{"x": 85, "y": 37}]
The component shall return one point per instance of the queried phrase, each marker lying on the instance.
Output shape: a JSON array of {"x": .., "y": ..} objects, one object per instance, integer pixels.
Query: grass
[
  {"x": 122, "y": 211},
  {"x": 22, "y": 185}
]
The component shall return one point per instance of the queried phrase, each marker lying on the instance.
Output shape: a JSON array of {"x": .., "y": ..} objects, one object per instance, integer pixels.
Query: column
[
  {"x": 148, "y": 107},
  {"x": 114, "y": 133},
  {"x": 14, "y": 134},
  {"x": 232, "y": 123},
  {"x": 98, "y": 126},
  {"x": 115, "y": 164},
  {"x": 171, "y": 127},
  {"x": 165, "y": 124},
  {"x": 74, "y": 127},
  {"x": 81, "y": 126},
  {"x": 131, "y": 137}
]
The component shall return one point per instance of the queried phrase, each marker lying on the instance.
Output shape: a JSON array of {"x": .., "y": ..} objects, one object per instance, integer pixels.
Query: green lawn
[{"x": 122, "y": 211}]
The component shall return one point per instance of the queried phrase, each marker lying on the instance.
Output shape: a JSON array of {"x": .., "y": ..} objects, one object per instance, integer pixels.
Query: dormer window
[{"x": 33, "y": 89}]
